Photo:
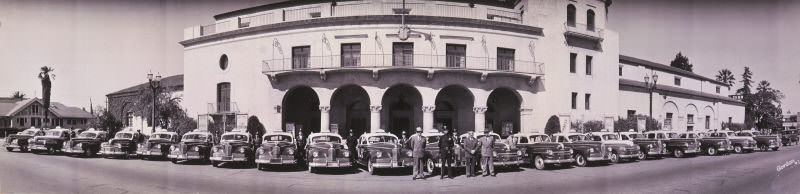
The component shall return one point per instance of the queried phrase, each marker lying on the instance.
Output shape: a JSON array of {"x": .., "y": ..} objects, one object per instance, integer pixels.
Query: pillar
[
  {"x": 374, "y": 118},
  {"x": 427, "y": 117},
  {"x": 480, "y": 118},
  {"x": 526, "y": 124},
  {"x": 324, "y": 119}
]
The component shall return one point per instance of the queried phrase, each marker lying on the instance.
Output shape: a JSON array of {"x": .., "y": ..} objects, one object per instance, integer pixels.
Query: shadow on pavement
[
  {"x": 337, "y": 171},
  {"x": 283, "y": 168}
]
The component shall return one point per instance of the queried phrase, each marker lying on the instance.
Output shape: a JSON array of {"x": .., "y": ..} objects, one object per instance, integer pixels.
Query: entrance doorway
[
  {"x": 402, "y": 110},
  {"x": 350, "y": 110},
  {"x": 301, "y": 111},
  {"x": 502, "y": 114},
  {"x": 454, "y": 109}
]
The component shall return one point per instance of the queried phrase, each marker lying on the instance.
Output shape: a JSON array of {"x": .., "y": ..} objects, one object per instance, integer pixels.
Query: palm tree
[
  {"x": 726, "y": 76},
  {"x": 45, "y": 75},
  {"x": 18, "y": 95}
]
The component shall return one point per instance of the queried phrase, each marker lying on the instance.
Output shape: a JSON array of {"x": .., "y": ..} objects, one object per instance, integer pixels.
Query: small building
[
  {"x": 20, "y": 113},
  {"x": 790, "y": 120},
  {"x": 123, "y": 103}
]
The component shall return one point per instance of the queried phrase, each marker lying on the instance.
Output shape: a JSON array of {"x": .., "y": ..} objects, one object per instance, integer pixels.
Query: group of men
[{"x": 447, "y": 142}]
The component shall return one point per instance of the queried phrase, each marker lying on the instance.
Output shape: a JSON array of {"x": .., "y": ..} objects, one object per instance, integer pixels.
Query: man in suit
[
  {"x": 352, "y": 141},
  {"x": 487, "y": 149},
  {"x": 470, "y": 147},
  {"x": 417, "y": 145},
  {"x": 446, "y": 143}
]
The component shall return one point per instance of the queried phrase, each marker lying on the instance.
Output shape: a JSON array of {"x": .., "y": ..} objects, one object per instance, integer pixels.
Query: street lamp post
[
  {"x": 155, "y": 85},
  {"x": 650, "y": 87}
]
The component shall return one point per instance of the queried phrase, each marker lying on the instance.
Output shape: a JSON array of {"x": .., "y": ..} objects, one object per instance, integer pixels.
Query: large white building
[{"x": 363, "y": 65}]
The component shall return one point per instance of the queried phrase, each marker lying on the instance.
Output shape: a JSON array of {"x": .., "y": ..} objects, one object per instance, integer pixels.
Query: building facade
[
  {"x": 17, "y": 114},
  {"x": 790, "y": 120},
  {"x": 123, "y": 104}
]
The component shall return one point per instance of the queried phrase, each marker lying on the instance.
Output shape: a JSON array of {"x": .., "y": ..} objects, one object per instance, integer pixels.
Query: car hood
[
  {"x": 194, "y": 143},
  {"x": 741, "y": 138},
  {"x": 15, "y": 136},
  {"x": 278, "y": 144},
  {"x": 382, "y": 145},
  {"x": 619, "y": 142},
  {"x": 235, "y": 143},
  {"x": 125, "y": 141},
  {"x": 84, "y": 139},
  {"x": 158, "y": 141}
]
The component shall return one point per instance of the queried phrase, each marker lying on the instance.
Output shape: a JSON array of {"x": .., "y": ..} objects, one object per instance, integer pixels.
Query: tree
[
  {"x": 747, "y": 97},
  {"x": 254, "y": 127},
  {"x": 18, "y": 95},
  {"x": 747, "y": 82},
  {"x": 681, "y": 62},
  {"x": 726, "y": 76},
  {"x": 593, "y": 126},
  {"x": 767, "y": 111},
  {"x": 632, "y": 123},
  {"x": 107, "y": 122},
  {"x": 553, "y": 126},
  {"x": 170, "y": 114},
  {"x": 45, "y": 75}
]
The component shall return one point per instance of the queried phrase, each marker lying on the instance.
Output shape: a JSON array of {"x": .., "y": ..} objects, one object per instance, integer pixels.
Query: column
[
  {"x": 480, "y": 119},
  {"x": 526, "y": 124},
  {"x": 374, "y": 118},
  {"x": 427, "y": 117},
  {"x": 324, "y": 119}
]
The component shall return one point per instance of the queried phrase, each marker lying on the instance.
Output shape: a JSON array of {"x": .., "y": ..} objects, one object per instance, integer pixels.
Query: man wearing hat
[
  {"x": 417, "y": 145},
  {"x": 446, "y": 144},
  {"x": 470, "y": 147},
  {"x": 487, "y": 149}
]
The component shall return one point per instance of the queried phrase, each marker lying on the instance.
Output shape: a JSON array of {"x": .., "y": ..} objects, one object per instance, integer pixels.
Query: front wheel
[
  {"x": 174, "y": 161},
  {"x": 538, "y": 162},
  {"x": 642, "y": 155},
  {"x": 24, "y": 149},
  {"x": 87, "y": 153},
  {"x": 51, "y": 151},
  {"x": 9, "y": 149},
  {"x": 214, "y": 163},
  {"x": 711, "y": 151},
  {"x": 678, "y": 153},
  {"x": 737, "y": 149},
  {"x": 580, "y": 160},
  {"x": 775, "y": 149},
  {"x": 370, "y": 168},
  {"x": 430, "y": 166},
  {"x": 614, "y": 158}
]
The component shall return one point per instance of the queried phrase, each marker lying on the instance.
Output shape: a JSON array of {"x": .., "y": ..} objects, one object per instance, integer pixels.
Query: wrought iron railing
[
  {"x": 424, "y": 61},
  {"x": 588, "y": 30},
  {"x": 222, "y": 107}
]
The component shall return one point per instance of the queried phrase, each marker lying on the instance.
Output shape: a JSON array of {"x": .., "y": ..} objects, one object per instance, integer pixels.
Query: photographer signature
[{"x": 787, "y": 164}]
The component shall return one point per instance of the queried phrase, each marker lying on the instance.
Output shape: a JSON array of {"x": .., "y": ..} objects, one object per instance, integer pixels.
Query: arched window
[
  {"x": 571, "y": 15},
  {"x": 590, "y": 20}
]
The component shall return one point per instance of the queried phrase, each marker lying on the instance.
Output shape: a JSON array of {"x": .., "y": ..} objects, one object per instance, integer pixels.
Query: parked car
[
  {"x": 234, "y": 146},
  {"x": 541, "y": 152},
  {"x": 432, "y": 156},
  {"x": 672, "y": 143},
  {"x": 382, "y": 150},
  {"x": 619, "y": 149},
  {"x": 763, "y": 141},
  {"x": 276, "y": 148},
  {"x": 87, "y": 143},
  {"x": 740, "y": 143},
  {"x": 158, "y": 145},
  {"x": 327, "y": 150},
  {"x": 714, "y": 143},
  {"x": 789, "y": 136},
  {"x": 20, "y": 140},
  {"x": 122, "y": 145},
  {"x": 505, "y": 155},
  {"x": 52, "y": 141},
  {"x": 194, "y": 145},
  {"x": 585, "y": 150}
]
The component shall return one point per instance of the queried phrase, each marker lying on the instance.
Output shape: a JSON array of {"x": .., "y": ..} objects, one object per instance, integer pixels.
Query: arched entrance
[
  {"x": 454, "y": 109},
  {"x": 402, "y": 110},
  {"x": 301, "y": 110},
  {"x": 502, "y": 114},
  {"x": 350, "y": 110}
]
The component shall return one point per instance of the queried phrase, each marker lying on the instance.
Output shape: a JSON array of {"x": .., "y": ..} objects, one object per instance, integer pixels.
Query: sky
[{"x": 101, "y": 46}]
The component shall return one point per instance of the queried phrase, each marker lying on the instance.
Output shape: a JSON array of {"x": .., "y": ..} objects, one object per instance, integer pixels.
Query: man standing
[
  {"x": 446, "y": 144},
  {"x": 470, "y": 146},
  {"x": 417, "y": 145},
  {"x": 487, "y": 159},
  {"x": 352, "y": 141}
]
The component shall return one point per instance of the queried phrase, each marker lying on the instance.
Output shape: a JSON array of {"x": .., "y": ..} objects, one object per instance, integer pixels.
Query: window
[
  {"x": 668, "y": 121},
  {"x": 35, "y": 109},
  {"x": 128, "y": 118},
  {"x": 631, "y": 113},
  {"x": 708, "y": 122},
  {"x": 572, "y": 60},
  {"x": 677, "y": 81},
  {"x": 586, "y": 101},
  {"x": 402, "y": 54},
  {"x": 588, "y": 65},
  {"x": 351, "y": 55},
  {"x": 690, "y": 119},
  {"x": 590, "y": 20},
  {"x": 689, "y": 128},
  {"x": 717, "y": 89},
  {"x": 574, "y": 100},
  {"x": 300, "y": 57},
  {"x": 223, "y": 96},
  {"x": 223, "y": 62},
  {"x": 571, "y": 15},
  {"x": 456, "y": 55},
  {"x": 505, "y": 59},
  {"x": 730, "y": 119},
  {"x": 620, "y": 70}
]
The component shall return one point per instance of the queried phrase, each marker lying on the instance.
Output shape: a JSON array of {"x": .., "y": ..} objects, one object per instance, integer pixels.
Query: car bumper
[
  {"x": 753, "y": 147},
  {"x": 227, "y": 159},
  {"x": 597, "y": 158},
  {"x": 11, "y": 146},
  {"x": 150, "y": 153},
  {"x": 392, "y": 164},
  {"x": 276, "y": 161},
  {"x": 628, "y": 156},
  {"x": 332, "y": 164},
  {"x": 559, "y": 161},
  {"x": 77, "y": 150},
  {"x": 38, "y": 147},
  {"x": 692, "y": 151},
  {"x": 184, "y": 156}
]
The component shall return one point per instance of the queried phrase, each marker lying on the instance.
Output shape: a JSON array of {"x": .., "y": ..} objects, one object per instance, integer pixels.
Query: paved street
[{"x": 735, "y": 173}]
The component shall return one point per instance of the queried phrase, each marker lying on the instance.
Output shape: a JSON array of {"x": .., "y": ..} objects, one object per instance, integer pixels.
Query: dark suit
[
  {"x": 352, "y": 142},
  {"x": 417, "y": 145},
  {"x": 487, "y": 159},
  {"x": 470, "y": 147},
  {"x": 446, "y": 143}
]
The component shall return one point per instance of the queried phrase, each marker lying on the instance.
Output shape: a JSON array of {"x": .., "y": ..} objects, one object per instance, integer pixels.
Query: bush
[
  {"x": 553, "y": 126},
  {"x": 593, "y": 126},
  {"x": 734, "y": 126},
  {"x": 254, "y": 127},
  {"x": 626, "y": 124}
]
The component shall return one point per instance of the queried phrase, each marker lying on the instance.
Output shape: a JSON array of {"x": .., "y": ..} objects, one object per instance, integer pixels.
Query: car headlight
[
  {"x": 379, "y": 154},
  {"x": 316, "y": 154},
  {"x": 158, "y": 146},
  {"x": 609, "y": 149},
  {"x": 117, "y": 145},
  {"x": 494, "y": 153},
  {"x": 571, "y": 151},
  {"x": 549, "y": 152},
  {"x": 196, "y": 149},
  {"x": 260, "y": 151},
  {"x": 591, "y": 150},
  {"x": 242, "y": 149},
  {"x": 216, "y": 149},
  {"x": 519, "y": 152},
  {"x": 663, "y": 145},
  {"x": 622, "y": 148},
  {"x": 290, "y": 152},
  {"x": 649, "y": 146},
  {"x": 346, "y": 154},
  {"x": 79, "y": 144}
]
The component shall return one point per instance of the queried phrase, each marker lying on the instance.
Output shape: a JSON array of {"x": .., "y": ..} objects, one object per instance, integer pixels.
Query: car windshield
[
  {"x": 688, "y": 135},
  {"x": 577, "y": 137},
  {"x": 433, "y": 139},
  {"x": 540, "y": 138},
  {"x": 326, "y": 138},
  {"x": 611, "y": 137},
  {"x": 595, "y": 138},
  {"x": 718, "y": 135},
  {"x": 277, "y": 138},
  {"x": 28, "y": 132},
  {"x": 236, "y": 137},
  {"x": 160, "y": 136},
  {"x": 743, "y": 134},
  {"x": 484, "y": 135},
  {"x": 382, "y": 138},
  {"x": 53, "y": 133},
  {"x": 673, "y": 135},
  {"x": 88, "y": 134},
  {"x": 758, "y": 133},
  {"x": 200, "y": 137},
  {"x": 124, "y": 135}
]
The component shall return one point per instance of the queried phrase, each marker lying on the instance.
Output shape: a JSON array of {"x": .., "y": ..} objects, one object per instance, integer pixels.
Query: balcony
[
  {"x": 591, "y": 32},
  {"x": 416, "y": 61},
  {"x": 223, "y": 107}
]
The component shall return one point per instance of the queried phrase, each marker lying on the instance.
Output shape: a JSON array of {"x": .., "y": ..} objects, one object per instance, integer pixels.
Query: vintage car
[
  {"x": 585, "y": 150},
  {"x": 740, "y": 144},
  {"x": 194, "y": 145},
  {"x": 505, "y": 154},
  {"x": 20, "y": 140},
  {"x": 52, "y": 141},
  {"x": 382, "y": 150},
  {"x": 619, "y": 149},
  {"x": 668, "y": 143},
  {"x": 542, "y": 152},
  {"x": 648, "y": 147},
  {"x": 631, "y": 135},
  {"x": 327, "y": 150},
  {"x": 86, "y": 144},
  {"x": 157, "y": 146},
  {"x": 762, "y": 141},
  {"x": 713, "y": 143},
  {"x": 432, "y": 154},
  {"x": 277, "y": 148},
  {"x": 122, "y": 145},
  {"x": 234, "y": 146},
  {"x": 789, "y": 136}
]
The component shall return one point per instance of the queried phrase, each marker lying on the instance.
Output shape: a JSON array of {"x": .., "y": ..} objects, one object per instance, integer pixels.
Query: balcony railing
[
  {"x": 223, "y": 107},
  {"x": 583, "y": 30},
  {"x": 422, "y": 61}
]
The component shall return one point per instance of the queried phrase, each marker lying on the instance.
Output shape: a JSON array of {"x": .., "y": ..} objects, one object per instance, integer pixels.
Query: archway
[
  {"x": 502, "y": 114},
  {"x": 454, "y": 109},
  {"x": 402, "y": 109},
  {"x": 350, "y": 110},
  {"x": 691, "y": 117},
  {"x": 301, "y": 110},
  {"x": 670, "y": 112}
]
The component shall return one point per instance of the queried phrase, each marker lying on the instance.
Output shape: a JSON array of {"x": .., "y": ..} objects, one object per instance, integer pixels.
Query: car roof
[
  {"x": 236, "y": 133},
  {"x": 278, "y": 133},
  {"x": 377, "y": 134},
  {"x": 429, "y": 134},
  {"x": 165, "y": 132},
  {"x": 59, "y": 129},
  {"x": 568, "y": 134},
  {"x": 527, "y": 134},
  {"x": 323, "y": 134}
]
